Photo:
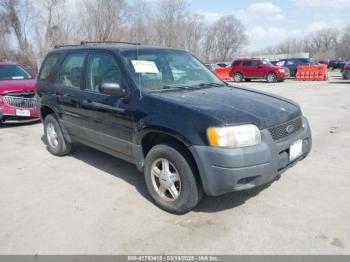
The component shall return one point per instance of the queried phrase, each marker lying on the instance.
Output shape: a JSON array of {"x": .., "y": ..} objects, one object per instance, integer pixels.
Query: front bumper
[
  {"x": 8, "y": 115},
  {"x": 225, "y": 170}
]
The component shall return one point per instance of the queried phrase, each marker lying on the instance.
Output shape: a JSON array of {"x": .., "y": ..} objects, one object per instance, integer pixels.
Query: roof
[{"x": 111, "y": 47}]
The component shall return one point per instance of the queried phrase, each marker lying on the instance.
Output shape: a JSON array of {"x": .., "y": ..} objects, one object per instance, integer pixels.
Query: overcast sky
[{"x": 268, "y": 21}]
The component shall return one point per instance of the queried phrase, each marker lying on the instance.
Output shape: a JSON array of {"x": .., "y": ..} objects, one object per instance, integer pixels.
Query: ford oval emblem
[{"x": 290, "y": 129}]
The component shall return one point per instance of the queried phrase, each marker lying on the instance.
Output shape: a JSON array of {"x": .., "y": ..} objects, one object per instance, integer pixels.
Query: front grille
[
  {"x": 20, "y": 102},
  {"x": 280, "y": 131}
]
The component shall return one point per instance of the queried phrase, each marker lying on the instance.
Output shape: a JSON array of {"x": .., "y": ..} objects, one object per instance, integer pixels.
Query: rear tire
[
  {"x": 170, "y": 179},
  {"x": 271, "y": 78},
  {"x": 55, "y": 141},
  {"x": 237, "y": 77}
]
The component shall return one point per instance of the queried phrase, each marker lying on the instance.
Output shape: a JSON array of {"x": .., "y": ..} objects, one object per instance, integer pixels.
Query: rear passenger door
[
  {"x": 106, "y": 119},
  {"x": 67, "y": 89}
]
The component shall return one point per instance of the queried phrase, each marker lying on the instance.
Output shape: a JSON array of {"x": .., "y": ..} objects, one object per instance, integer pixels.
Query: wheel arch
[{"x": 150, "y": 137}]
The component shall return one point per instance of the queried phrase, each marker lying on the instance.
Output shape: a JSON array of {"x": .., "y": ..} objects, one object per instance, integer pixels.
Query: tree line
[
  {"x": 323, "y": 44},
  {"x": 30, "y": 28}
]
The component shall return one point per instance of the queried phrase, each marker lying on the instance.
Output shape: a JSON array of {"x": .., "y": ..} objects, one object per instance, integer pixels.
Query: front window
[
  {"x": 162, "y": 70},
  {"x": 13, "y": 72}
]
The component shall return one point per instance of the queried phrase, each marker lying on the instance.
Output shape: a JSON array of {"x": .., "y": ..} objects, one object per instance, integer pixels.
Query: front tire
[
  {"x": 170, "y": 179},
  {"x": 271, "y": 78},
  {"x": 55, "y": 141}
]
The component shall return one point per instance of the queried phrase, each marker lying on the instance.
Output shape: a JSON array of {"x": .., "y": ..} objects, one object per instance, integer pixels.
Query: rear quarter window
[
  {"x": 47, "y": 66},
  {"x": 236, "y": 63}
]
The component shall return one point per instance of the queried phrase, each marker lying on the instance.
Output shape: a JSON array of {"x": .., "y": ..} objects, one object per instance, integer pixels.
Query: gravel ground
[{"x": 92, "y": 203}]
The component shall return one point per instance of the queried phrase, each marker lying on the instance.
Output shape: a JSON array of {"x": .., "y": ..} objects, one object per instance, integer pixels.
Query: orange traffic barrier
[
  {"x": 312, "y": 73},
  {"x": 224, "y": 73}
]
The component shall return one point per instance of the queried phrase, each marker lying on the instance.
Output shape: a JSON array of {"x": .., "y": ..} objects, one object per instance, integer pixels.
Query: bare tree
[
  {"x": 102, "y": 20},
  {"x": 169, "y": 22},
  {"x": 225, "y": 38},
  {"x": 193, "y": 34},
  {"x": 140, "y": 28},
  {"x": 343, "y": 47},
  {"x": 50, "y": 25},
  {"x": 17, "y": 16}
]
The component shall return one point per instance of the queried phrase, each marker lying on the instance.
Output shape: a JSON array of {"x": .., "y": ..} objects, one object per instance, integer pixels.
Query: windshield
[
  {"x": 13, "y": 72},
  {"x": 267, "y": 62},
  {"x": 161, "y": 70}
]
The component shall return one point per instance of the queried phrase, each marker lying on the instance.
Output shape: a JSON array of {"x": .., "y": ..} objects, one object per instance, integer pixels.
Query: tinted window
[
  {"x": 247, "y": 63},
  {"x": 47, "y": 66},
  {"x": 69, "y": 74},
  {"x": 236, "y": 63},
  {"x": 13, "y": 72},
  {"x": 290, "y": 62},
  {"x": 102, "y": 68},
  {"x": 255, "y": 63}
]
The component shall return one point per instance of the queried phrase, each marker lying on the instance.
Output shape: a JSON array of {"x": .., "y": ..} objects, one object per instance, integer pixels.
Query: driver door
[{"x": 106, "y": 119}]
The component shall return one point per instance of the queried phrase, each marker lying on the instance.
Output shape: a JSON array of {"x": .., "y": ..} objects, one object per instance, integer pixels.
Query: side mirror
[{"x": 113, "y": 89}]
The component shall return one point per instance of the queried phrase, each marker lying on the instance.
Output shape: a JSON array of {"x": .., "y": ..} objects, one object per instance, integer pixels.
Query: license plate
[
  {"x": 296, "y": 150},
  {"x": 22, "y": 112}
]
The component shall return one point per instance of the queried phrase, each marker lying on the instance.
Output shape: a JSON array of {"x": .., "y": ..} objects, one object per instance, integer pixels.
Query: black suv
[{"x": 164, "y": 111}]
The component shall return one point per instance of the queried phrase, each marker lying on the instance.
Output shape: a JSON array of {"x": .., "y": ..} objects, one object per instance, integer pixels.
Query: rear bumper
[{"x": 226, "y": 170}]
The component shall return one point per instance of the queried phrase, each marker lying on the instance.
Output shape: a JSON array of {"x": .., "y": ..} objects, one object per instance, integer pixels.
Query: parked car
[
  {"x": 346, "y": 71},
  {"x": 336, "y": 64},
  {"x": 188, "y": 136},
  {"x": 212, "y": 67},
  {"x": 248, "y": 69},
  {"x": 17, "y": 94},
  {"x": 293, "y": 63},
  {"x": 223, "y": 64}
]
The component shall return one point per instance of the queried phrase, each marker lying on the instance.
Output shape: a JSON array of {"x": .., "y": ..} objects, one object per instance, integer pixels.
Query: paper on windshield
[{"x": 142, "y": 66}]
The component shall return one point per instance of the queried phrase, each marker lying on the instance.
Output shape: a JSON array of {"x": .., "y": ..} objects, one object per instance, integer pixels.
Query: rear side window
[
  {"x": 47, "y": 66},
  {"x": 236, "y": 63},
  {"x": 69, "y": 74},
  {"x": 247, "y": 63}
]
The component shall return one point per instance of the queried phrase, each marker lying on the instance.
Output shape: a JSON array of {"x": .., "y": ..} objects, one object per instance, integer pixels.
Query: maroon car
[
  {"x": 248, "y": 69},
  {"x": 17, "y": 94}
]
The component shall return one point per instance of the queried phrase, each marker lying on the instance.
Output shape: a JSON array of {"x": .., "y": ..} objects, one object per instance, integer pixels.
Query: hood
[
  {"x": 233, "y": 105},
  {"x": 9, "y": 86}
]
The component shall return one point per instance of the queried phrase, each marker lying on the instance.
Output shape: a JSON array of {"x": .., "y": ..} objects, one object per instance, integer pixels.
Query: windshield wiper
[
  {"x": 185, "y": 87},
  {"x": 201, "y": 85}
]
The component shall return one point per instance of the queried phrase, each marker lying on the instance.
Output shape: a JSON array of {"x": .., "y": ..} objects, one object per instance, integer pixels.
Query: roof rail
[
  {"x": 107, "y": 42},
  {"x": 60, "y": 46}
]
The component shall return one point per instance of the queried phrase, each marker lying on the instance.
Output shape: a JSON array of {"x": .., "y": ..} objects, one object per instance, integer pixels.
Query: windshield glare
[
  {"x": 158, "y": 70},
  {"x": 267, "y": 62},
  {"x": 13, "y": 72}
]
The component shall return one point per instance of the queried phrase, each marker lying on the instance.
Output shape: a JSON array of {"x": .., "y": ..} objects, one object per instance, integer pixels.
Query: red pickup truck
[
  {"x": 248, "y": 69},
  {"x": 17, "y": 94}
]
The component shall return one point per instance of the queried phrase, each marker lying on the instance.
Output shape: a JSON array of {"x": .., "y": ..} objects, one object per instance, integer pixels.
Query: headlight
[{"x": 234, "y": 136}]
